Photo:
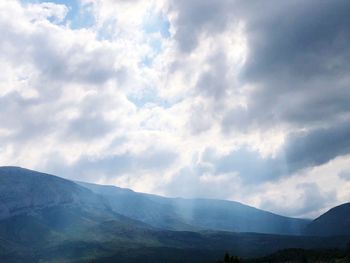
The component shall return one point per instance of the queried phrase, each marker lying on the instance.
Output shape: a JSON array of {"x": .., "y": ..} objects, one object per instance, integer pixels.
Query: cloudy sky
[{"x": 230, "y": 99}]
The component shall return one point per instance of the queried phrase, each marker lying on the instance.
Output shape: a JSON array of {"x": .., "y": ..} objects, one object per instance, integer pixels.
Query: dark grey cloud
[
  {"x": 212, "y": 84},
  {"x": 298, "y": 61},
  {"x": 198, "y": 17},
  {"x": 290, "y": 38},
  {"x": 317, "y": 146},
  {"x": 299, "y": 39},
  {"x": 208, "y": 83},
  {"x": 301, "y": 150}
]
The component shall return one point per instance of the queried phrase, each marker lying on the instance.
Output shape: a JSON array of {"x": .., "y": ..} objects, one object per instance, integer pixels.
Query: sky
[{"x": 228, "y": 99}]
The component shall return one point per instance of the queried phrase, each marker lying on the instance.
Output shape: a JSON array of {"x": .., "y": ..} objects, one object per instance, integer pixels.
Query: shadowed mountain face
[
  {"x": 334, "y": 222},
  {"x": 23, "y": 191},
  {"x": 196, "y": 214},
  {"x": 50, "y": 219}
]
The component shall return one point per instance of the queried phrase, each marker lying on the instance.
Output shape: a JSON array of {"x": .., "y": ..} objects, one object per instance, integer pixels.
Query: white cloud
[
  {"x": 152, "y": 96},
  {"x": 308, "y": 193}
]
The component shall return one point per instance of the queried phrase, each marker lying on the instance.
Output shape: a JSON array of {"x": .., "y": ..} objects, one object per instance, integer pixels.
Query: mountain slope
[
  {"x": 34, "y": 238},
  {"x": 23, "y": 191},
  {"x": 195, "y": 214},
  {"x": 49, "y": 219},
  {"x": 52, "y": 205},
  {"x": 334, "y": 222},
  {"x": 41, "y": 213}
]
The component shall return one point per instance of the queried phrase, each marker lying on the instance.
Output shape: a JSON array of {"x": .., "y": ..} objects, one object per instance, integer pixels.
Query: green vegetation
[
  {"x": 230, "y": 259},
  {"x": 168, "y": 255},
  {"x": 296, "y": 256}
]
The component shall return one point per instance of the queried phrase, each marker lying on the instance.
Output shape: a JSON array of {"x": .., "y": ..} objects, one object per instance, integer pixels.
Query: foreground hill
[
  {"x": 334, "y": 222},
  {"x": 67, "y": 234},
  {"x": 297, "y": 255}
]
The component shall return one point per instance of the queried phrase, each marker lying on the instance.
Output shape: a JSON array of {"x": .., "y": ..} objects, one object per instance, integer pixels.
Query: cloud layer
[{"x": 182, "y": 98}]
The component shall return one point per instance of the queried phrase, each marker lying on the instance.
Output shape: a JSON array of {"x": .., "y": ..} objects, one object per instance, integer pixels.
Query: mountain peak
[
  {"x": 16, "y": 170},
  {"x": 335, "y": 221}
]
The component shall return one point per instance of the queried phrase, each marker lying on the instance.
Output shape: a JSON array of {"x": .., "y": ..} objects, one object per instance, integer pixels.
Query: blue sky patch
[{"x": 78, "y": 16}]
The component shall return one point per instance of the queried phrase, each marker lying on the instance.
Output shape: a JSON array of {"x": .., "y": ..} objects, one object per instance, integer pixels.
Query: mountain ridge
[
  {"x": 224, "y": 215},
  {"x": 336, "y": 221},
  {"x": 157, "y": 211}
]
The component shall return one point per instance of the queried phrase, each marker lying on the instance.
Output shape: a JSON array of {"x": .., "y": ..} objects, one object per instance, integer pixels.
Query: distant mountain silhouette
[
  {"x": 334, "y": 222},
  {"x": 196, "y": 214},
  {"x": 23, "y": 190}
]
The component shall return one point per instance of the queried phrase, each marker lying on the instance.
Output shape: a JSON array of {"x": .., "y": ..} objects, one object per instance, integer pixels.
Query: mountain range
[{"x": 45, "y": 218}]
